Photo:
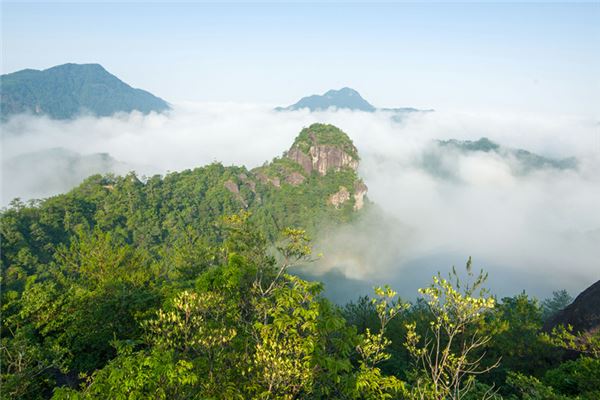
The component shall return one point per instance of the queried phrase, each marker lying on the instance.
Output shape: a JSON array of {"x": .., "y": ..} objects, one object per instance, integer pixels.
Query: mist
[{"x": 538, "y": 231}]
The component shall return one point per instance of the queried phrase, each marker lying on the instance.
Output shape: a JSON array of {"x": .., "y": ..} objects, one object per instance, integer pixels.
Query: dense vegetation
[
  {"x": 66, "y": 90},
  {"x": 325, "y": 134},
  {"x": 178, "y": 287}
]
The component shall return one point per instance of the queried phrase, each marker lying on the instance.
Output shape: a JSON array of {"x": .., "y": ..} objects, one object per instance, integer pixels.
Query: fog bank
[{"x": 536, "y": 231}]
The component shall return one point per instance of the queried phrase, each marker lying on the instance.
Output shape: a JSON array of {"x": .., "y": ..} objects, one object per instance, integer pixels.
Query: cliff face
[
  {"x": 322, "y": 158},
  {"x": 322, "y": 148}
]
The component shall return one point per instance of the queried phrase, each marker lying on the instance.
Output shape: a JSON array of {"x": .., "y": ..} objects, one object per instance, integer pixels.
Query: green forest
[{"x": 181, "y": 287}]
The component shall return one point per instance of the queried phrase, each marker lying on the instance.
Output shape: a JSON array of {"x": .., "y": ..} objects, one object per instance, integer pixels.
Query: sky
[{"x": 539, "y": 58}]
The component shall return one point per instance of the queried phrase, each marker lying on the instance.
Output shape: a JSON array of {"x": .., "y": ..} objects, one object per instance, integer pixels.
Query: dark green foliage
[
  {"x": 516, "y": 325},
  {"x": 576, "y": 377},
  {"x": 559, "y": 300},
  {"x": 81, "y": 272},
  {"x": 177, "y": 287},
  {"x": 64, "y": 91}
]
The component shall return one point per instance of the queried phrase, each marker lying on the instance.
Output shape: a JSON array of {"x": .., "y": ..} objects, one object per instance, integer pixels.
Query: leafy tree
[
  {"x": 137, "y": 375},
  {"x": 530, "y": 388},
  {"x": 371, "y": 383},
  {"x": 581, "y": 342},
  {"x": 446, "y": 358},
  {"x": 515, "y": 326}
]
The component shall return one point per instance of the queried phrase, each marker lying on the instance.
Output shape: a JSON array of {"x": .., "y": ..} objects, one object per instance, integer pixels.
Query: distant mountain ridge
[
  {"x": 64, "y": 91},
  {"x": 52, "y": 171},
  {"x": 529, "y": 160},
  {"x": 344, "y": 98},
  {"x": 442, "y": 158}
]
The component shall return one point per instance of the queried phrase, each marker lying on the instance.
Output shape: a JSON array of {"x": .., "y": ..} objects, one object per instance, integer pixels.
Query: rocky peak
[
  {"x": 322, "y": 156},
  {"x": 323, "y": 147}
]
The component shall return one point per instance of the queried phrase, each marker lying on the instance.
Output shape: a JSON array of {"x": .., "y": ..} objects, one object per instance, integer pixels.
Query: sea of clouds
[{"x": 538, "y": 231}]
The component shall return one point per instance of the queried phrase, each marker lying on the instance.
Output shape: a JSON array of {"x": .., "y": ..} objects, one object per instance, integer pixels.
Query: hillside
[
  {"x": 65, "y": 91},
  {"x": 156, "y": 213}
]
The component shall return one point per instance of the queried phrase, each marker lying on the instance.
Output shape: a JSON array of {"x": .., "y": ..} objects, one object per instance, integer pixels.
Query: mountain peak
[
  {"x": 324, "y": 157},
  {"x": 324, "y": 147},
  {"x": 89, "y": 66},
  {"x": 66, "y": 90},
  {"x": 344, "y": 98},
  {"x": 345, "y": 91},
  {"x": 319, "y": 134}
]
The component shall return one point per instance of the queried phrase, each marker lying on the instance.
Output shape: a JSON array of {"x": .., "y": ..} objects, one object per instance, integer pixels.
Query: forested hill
[
  {"x": 178, "y": 287},
  {"x": 314, "y": 184},
  {"x": 64, "y": 91}
]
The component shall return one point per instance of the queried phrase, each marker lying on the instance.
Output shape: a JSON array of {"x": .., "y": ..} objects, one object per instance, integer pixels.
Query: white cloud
[{"x": 542, "y": 228}]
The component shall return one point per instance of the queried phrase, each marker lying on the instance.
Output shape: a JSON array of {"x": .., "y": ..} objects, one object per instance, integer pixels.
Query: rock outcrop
[
  {"x": 322, "y": 161},
  {"x": 323, "y": 148},
  {"x": 322, "y": 158},
  {"x": 583, "y": 314},
  {"x": 235, "y": 190},
  {"x": 248, "y": 182},
  {"x": 339, "y": 197},
  {"x": 360, "y": 190},
  {"x": 275, "y": 181},
  {"x": 295, "y": 179}
]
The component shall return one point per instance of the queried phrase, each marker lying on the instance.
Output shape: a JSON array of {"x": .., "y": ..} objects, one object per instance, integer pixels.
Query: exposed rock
[
  {"x": 269, "y": 180},
  {"x": 583, "y": 314},
  {"x": 322, "y": 158},
  {"x": 314, "y": 155},
  {"x": 233, "y": 188},
  {"x": 340, "y": 197},
  {"x": 301, "y": 158},
  {"x": 248, "y": 182},
  {"x": 360, "y": 190},
  {"x": 295, "y": 178}
]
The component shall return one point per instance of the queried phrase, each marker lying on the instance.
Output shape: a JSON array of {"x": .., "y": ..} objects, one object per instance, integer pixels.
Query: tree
[
  {"x": 587, "y": 343},
  {"x": 447, "y": 358},
  {"x": 515, "y": 325},
  {"x": 370, "y": 382},
  {"x": 559, "y": 300}
]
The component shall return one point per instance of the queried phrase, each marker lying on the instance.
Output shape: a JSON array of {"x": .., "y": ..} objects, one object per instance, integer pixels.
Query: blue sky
[{"x": 536, "y": 57}]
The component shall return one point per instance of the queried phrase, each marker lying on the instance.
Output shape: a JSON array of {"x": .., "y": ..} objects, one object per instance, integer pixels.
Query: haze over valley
[{"x": 438, "y": 174}]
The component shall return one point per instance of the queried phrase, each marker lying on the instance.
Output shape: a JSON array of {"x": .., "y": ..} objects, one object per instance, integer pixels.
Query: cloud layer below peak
[{"x": 541, "y": 227}]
